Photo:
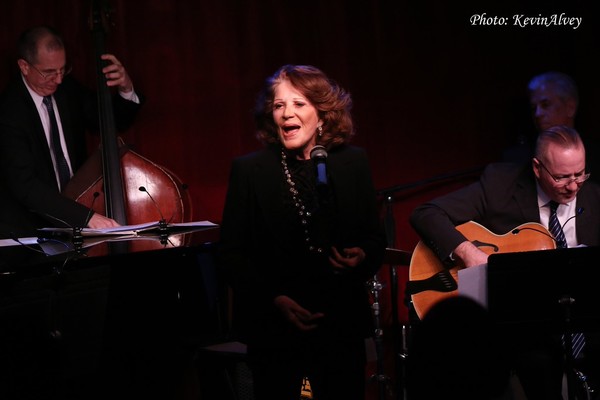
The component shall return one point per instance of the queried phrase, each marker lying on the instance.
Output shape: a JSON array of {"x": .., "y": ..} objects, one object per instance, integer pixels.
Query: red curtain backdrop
[{"x": 433, "y": 93}]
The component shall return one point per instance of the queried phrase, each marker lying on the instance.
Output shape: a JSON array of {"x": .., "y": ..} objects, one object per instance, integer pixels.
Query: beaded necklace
[{"x": 303, "y": 213}]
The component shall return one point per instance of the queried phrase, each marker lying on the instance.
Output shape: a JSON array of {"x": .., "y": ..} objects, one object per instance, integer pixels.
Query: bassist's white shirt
[{"x": 43, "y": 112}]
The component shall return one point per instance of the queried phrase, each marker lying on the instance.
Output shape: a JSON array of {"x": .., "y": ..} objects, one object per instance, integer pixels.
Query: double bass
[{"x": 135, "y": 190}]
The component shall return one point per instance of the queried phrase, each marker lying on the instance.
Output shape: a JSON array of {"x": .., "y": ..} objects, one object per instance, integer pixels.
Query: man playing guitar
[{"x": 509, "y": 195}]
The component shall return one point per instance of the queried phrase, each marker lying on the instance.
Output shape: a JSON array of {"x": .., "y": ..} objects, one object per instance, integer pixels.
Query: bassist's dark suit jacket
[{"x": 29, "y": 194}]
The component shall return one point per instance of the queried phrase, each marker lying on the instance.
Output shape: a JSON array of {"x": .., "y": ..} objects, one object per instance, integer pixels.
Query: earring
[{"x": 320, "y": 129}]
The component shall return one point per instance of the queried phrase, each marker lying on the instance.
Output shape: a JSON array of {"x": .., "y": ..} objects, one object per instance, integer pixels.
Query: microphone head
[
  {"x": 318, "y": 152},
  {"x": 162, "y": 218}
]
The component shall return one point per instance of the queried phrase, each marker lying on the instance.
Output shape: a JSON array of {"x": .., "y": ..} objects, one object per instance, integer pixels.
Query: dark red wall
[{"x": 433, "y": 94}]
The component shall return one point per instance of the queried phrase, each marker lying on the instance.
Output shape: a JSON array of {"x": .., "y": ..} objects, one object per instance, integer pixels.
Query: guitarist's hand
[
  {"x": 470, "y": 254},
  {"x": 298, "y": 316}
]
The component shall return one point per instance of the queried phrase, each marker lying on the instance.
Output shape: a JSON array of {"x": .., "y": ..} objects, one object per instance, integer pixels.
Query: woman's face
[{"x": 296, "y": 119}]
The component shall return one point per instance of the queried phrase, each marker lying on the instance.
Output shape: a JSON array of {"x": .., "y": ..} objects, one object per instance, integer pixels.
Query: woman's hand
[
  {"x": 298, "y": 316},
  {"x": 349, "y": 258}
]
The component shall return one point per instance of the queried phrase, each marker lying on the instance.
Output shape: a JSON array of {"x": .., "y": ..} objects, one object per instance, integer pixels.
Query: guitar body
[{"x": 424, "y": 264}]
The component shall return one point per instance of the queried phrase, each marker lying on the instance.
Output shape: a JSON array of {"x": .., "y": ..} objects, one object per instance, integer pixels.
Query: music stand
[{"x": 546, "y": 290}]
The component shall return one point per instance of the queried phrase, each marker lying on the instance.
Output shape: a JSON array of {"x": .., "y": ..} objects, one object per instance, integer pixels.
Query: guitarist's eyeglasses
[{"x": 578, "y": 178}]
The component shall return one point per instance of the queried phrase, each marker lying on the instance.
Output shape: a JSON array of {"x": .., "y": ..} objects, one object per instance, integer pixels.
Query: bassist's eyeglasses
[{"x": 50, "y": 75}]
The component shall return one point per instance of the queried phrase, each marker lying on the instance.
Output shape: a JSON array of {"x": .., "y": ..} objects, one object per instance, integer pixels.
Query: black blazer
[
  {"x": 30, "y": 197},
  {"x": 503, "y": 198},
  {"x": 261, "y": 262}
]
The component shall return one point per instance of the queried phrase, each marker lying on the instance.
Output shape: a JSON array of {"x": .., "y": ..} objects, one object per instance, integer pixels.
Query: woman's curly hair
[{"x": 332, "y": 102}]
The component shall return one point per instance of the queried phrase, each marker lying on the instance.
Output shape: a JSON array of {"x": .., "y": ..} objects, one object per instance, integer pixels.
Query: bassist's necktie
[
  {"x": 61, "y": 162},
  {"x": 577, "y": 339}
]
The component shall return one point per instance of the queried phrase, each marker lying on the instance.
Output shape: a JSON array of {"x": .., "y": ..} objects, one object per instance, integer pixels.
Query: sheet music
[
  {"x": 131, "y": 229},
  {"x": 21, "y": 241}
]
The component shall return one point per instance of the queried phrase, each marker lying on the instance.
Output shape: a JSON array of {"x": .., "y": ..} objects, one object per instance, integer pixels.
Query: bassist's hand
[
  {"x": 116, "y": 75},
  {"x": 98, "y": 221}
]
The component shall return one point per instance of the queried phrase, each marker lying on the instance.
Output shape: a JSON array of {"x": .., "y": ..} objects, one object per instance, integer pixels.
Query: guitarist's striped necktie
[
  {"x": 577, "y": 339},
  {"x": 555, "y": 228}
]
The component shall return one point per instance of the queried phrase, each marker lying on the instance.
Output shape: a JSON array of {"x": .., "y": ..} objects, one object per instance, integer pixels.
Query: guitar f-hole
[{"x": 479, "y": 244}]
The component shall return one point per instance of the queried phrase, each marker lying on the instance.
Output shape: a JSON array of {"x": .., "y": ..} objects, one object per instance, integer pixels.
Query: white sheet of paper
[{"x": 472, "y": 282}]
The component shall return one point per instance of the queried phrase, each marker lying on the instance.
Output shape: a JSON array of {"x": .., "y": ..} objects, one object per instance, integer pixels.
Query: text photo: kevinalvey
[{"x": 523, "y": 21}]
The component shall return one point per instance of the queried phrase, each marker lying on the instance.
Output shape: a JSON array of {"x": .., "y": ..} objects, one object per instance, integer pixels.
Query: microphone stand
[
  {"x": 163, "y": 231},
  {"x": 390, "y": 232},
  {"x": 379, "y": 376},
  {"x": 163, "y": 226},
  {"x": 77, "y": 238},
  {"x": 566, "y": 301},
  {"x": 391, "y": 190},
  {"x": 401, "y": 333}
]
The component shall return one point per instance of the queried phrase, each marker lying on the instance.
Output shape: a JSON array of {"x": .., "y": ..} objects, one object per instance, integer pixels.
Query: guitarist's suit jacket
[
  {"x": 29, "y": 194},
  {"x": 504, "y": 197}
]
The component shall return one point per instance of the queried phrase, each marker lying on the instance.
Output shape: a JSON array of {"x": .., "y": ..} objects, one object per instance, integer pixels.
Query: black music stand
[{"x": 547, "y": 290}]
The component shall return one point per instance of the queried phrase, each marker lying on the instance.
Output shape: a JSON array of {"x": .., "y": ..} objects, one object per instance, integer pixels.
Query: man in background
[{"x": 554, "y": 99}]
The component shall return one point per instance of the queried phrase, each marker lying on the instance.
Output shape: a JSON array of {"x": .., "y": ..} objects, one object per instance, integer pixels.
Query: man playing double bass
[
  {"x": 31, "y": 176},
  {"x": 509, "y": 195}
]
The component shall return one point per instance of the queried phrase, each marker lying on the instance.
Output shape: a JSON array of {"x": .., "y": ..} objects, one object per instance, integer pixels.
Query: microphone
[
  {"x": 162, "y": 224},
  {"x": 578, "y": 212},
  {"x": 77, "y": 236},
  {"x": 45, "y": 238},
  {"x": 49, "y": 247},
  {"x": 14, "y": 237},
  {"x": 319, "y": 155},
  {"x": 56, "y": 219},
  {"x": 517, "y": 230}
]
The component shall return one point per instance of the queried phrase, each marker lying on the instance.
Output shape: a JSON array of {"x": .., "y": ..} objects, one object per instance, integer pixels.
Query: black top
[{"x": 264, "y": 254}]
